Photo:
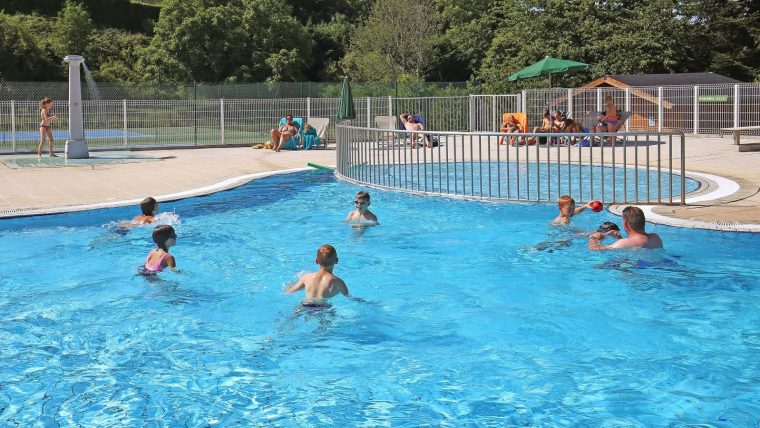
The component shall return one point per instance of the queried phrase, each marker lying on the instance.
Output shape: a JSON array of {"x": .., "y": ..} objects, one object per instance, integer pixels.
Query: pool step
[{"x": 749, "y": 147}]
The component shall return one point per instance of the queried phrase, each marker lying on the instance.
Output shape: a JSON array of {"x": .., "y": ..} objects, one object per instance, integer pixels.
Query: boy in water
[
  {"x": 567, "y": 210},
  {"x": 148, "y": 206},
  {"x": 361, "y": 214},
  {"x": 322, "y": 284}
]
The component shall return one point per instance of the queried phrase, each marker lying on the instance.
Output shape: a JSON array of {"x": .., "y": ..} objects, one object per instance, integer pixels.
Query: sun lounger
[{"x": 317, "y": 139}]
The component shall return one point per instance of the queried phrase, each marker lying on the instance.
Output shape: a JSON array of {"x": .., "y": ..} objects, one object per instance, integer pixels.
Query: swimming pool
[{"x": 476, "y": 314}]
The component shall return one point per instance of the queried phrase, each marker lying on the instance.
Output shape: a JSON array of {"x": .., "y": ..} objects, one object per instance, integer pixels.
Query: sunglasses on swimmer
[{"x": 357, "y": 202}]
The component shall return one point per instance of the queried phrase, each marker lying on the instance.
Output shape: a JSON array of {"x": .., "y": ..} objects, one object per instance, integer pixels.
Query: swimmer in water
[
  {"x": 148, "y": 206},
  {"x": 361, "y": 214},
  {"x": 633, "y": 223},
  {"x": 159, "y": 258},
  {"x": 567, "y": 210},
  {"x": 322, "y": 284}
]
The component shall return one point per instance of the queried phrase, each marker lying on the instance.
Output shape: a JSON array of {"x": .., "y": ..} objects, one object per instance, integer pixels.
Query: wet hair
[
  {"x": 634, "y": 217},
  {"x": 547, "y": 113},
  {"x": 362, "y": 196},
  {"x": 565, "y": 200},
  {"x": 161, "y": 234},
  {"x": 288, "y": 116},
  {"x": 45, "y": 101},
  {"x": 608, "y": 226},
  {"x": 148, "y": 205},
  {"x": 326, "y": 255}
]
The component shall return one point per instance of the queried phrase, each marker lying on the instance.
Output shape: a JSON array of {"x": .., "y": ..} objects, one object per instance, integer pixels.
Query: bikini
[
  {"x": 42, "y": 124},
  {"x": 157, "y": 267}
]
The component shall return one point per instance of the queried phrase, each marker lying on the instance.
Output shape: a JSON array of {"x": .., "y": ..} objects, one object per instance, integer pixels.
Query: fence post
[
  {"x": 659, "y": 109},
  {"x": 308, "y": 109},
  {"x": 390, "y": 105},
  {"x": 369, "y": 115},
  {"x": 736, "y": 106},
  {"x": 195, "y": 113},
  {"x": 628, "y": 107},
  {"x": 221, "y": 117},
  {"x": 495, "y": 114},
  {"x": 124, "y": 117},
  {"x": 570, "y": 102},
  {"x": 524, "y": 101},
  {"x": 696, "y": 109},
  {"x": 471, "y": 113},
  {"x": 598, "y": 99},
  {"x": 13, "y": 124}
]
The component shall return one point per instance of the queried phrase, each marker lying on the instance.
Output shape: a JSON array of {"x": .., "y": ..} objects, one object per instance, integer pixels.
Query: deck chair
[
  {"x": 386, "y": 122},
  {"x": 316, "y": 139},
  {"x": 589, "y": 123},
  {"x": 522, "y": 123},
  {"x": 294, "y": 141}
]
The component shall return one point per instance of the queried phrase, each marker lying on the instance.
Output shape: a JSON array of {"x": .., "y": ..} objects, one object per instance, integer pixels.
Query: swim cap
[{"x": 608, "y": 226}]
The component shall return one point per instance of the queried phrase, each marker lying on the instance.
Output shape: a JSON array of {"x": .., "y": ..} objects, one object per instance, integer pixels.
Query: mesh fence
[{"x": 29, "y": 91}]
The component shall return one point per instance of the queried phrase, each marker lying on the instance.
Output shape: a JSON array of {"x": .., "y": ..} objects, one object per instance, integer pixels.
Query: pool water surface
[{"x": 473, "y": 314}]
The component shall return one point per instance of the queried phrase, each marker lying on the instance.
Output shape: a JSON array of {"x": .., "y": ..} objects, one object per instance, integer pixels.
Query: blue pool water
[
  {"x": 476, "y": 314},
  {"x": 64, "y": 134}
]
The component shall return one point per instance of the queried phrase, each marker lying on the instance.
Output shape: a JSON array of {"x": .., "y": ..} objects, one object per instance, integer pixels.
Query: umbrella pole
[{"x": 550, "y": 80}]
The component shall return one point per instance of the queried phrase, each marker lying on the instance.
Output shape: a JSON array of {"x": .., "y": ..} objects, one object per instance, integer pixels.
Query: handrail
[{"x": 641, "y": 167}]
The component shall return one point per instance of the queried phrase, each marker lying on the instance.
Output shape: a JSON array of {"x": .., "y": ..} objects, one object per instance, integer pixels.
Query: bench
[{"x": 737, "y": 131}]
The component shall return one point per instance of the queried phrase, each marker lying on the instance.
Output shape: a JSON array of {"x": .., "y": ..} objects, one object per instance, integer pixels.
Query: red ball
[{"x": 596, "y": 206}]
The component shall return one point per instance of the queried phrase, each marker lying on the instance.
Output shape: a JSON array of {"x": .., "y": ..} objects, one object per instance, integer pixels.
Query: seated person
[
  {"x": 361, "y": 214},
  {"x": 322, "y": 284},
  {"x": 148, "y": 207},
  {"x": 284, "y": 133},
  {"x": 558, "y": 121},
  {"x": 634, "y": 224},
  {"x": 509, "y": 126},
  {"x": 546, "y": 126},
  {"x": 411, "y": 124},
  {"x": 574, "y": 127},
  {"x": 310, "y": 137}
]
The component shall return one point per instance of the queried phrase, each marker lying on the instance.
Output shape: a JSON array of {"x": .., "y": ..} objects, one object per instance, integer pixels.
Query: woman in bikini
[
  {"x": 159, "y": 258},
  {"x": 45, "y": 129},
  {"x": 609, "y": 121}
]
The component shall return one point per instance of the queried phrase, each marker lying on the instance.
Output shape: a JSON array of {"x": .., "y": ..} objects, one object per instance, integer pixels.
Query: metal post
[
  {"x": 683, "y": 169},
  {"x": 570, "y": 102},
  {"x": 308, "y": 110},
  {"x": 13, "y": 123},
  {"x": 736, "y": 106},
  {"x": 221, "y": 118},
  {"x": 627, "y": 106},
  {"x": 659, "y": 109},
  {"x": 524, "y": 101},
  {"x": 390, "y": 105},
  {"x": 195, "y": 113},
  {"x": 598, "y": 99},
  {"x": 471, "y": 113},
  {"x": 696, "y": 109},
  {"x": 124, "y": 116},
  {"x": 495, "y": 114},
  {"x": 369, "y": 107}
]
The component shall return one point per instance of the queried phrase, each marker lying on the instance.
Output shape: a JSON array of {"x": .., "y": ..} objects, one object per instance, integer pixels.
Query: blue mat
[{"x": 64, "y": 135}]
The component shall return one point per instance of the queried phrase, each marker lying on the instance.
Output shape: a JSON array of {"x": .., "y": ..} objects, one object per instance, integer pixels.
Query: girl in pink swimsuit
[{"x": 164, "y": 236}]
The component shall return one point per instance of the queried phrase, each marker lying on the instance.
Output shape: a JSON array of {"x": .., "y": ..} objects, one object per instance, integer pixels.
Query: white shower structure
[{"x": 76, "y": 146}]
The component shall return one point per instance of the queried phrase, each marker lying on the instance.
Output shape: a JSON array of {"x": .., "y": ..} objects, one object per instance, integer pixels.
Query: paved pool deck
[{"x": 187, "y": 172}]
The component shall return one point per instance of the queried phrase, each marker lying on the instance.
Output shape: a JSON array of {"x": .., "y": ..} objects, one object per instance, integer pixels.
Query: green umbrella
[
  {"x": 346, "y": 103},
  {"x": 547, "y": 67}
]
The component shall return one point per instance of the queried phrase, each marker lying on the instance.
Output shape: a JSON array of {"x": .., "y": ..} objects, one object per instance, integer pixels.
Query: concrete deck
[{"x": 26, "y": 190}]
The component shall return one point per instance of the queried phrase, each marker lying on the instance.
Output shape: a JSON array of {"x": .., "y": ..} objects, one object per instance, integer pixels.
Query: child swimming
[
  {"x": 159, "y": 258},
  {"x": 567, "y": 210},
  {"x": 322, "y": 284},
  {"x": 148, "y": 206},
  {"x": 361, "y": 214}
]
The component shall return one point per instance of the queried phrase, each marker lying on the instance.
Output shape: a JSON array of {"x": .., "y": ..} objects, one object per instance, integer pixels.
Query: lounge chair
[
  {"x": 294, "y": 141},
  {"x": 522, "y": 123},
  {"x": 316, "y": 140},
  {"x": 386, "y": 122}
]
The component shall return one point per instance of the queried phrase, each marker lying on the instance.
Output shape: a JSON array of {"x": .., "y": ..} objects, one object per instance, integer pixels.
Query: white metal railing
[
  {"x": 641, "y": 167},
  {"x": 163, "y": 123}
]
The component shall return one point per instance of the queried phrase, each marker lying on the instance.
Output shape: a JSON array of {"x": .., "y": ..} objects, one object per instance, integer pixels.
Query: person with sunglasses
[{"x": 361, "y": 214}]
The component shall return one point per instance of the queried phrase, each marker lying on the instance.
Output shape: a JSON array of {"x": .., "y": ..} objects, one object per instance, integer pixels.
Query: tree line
[{"x": 382, "y": 40}]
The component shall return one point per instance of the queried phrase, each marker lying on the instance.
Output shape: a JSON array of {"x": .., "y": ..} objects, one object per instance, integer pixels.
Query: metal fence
[
  {"x": 642, "y": 167},
  {"x": 31, "y": 91},
  {"x": 694, "y": 109}
]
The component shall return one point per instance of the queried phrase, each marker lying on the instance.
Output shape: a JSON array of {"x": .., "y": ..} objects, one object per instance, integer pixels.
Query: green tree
[
  {"x": 23, "y": 57},
  {"x": 113, "y": 54},
  {"x": 397, "y": 41},
  {"x": 72, "y": 29}
]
